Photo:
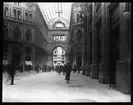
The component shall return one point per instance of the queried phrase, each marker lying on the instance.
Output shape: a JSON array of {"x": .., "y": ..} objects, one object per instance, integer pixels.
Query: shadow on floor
[
  {"x": 17, "y": 79},
  {"x": 73, "y": 80},
  {"x": 82, "y": 100},
  {"x": 75, "y": 86}
]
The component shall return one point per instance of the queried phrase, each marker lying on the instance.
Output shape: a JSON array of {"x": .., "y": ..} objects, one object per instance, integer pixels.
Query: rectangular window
[
  {"x": 54, "y": 37},
  {"x": 127, "y": 6},
  {"x": 59, "y": 37}
]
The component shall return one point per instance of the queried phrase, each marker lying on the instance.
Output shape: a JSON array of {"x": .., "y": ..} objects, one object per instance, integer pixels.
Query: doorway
[
  {"x": 16, "y": 57},
  {"x": 59, "y": 56},
  {"x": 16, "y": 54},
  {"x": 78, "y": 62}
]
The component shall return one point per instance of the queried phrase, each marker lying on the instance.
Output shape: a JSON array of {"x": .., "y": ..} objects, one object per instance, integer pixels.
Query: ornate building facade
[
  {"x": 100, "y": 41},
  {"x": 97, "y": 40},
  {"x": 22, "y": 32},
  {"x": 58, "y": 38}
]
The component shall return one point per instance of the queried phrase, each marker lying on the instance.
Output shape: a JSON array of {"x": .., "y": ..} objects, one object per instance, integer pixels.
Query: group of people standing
[
  {"x": 14, "y": 66},
  {"x": 44, "y": 68}
]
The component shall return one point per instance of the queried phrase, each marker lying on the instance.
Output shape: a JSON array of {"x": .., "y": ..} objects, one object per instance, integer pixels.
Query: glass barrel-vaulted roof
[{"x": 54, "y": 12}]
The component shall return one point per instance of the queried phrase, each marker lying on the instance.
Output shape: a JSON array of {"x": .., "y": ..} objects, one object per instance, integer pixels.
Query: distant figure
[
  {"x": 63, "y": 69},
  {"x": 43, "y": 68},
  {"x": 74, "y": 68},
  {"x": 68, "y": 72},
  {"x": 79, "y": 69},
  {"x": 11, "y": 70},
  {"x": 37, "y": 68},
  {"x": 4, "y": 67},
  {"x": 21, "y": 68}
]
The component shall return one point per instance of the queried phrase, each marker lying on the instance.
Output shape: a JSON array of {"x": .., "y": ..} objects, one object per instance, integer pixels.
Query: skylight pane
[
  {"x": 42, "y": 10},
  {"x": 54, "y": 12}
]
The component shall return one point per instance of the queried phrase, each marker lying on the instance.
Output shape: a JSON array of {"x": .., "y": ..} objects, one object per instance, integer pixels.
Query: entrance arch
[{"x": 59, "y": 56}]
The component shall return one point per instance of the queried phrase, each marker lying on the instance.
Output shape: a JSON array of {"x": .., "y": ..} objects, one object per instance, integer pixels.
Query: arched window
[
  {"x": 14, "y": 12},
  {"x": 78, "y": 17},
  {"x": 6, "y": 12},
  {"x": 5, "y": 32},
  {"x": 28, "y": 35},
  {"x": 26, "y": 16},
  {"x": 59, "y": 24},
  {"x": 30, "y": 15},
  {"x": 19, "y": 14},
  {"x": 16, "y": 33}
]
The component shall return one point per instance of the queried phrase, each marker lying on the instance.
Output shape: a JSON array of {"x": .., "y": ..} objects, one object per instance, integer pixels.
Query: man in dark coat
[
  {"x": 11, "y": 70},
  {"x": 63, "y": 68},
  {"x": 21, "y": 68},
  {"x": 74, "y": 68},
  {"x": 68, "y": 72}
]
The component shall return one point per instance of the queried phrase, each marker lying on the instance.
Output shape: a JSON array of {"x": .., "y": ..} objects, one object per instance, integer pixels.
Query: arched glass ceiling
[{"x": 53, "y": 12}]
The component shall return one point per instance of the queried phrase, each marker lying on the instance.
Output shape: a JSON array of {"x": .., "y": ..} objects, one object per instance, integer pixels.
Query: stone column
[
  {"x": 122, "y": 67},
  {"x": 83, "y": 54},
  {"x": 88, "y": 54},
  {"x": 93, "y": 67},
  {"x": 33, "y": 56},
  {"x": 88, "y": 43},
  {"x": 103, "y": 72},
  {"x": 22, "y": 56}
]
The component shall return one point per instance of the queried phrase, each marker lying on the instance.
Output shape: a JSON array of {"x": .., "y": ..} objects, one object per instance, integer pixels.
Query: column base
[
  {"x": 103, "y": 74},
  {"x": 87, "y": 67},
  {"x": 123, "y": 77},
  {"x": 93, "y": 71}
]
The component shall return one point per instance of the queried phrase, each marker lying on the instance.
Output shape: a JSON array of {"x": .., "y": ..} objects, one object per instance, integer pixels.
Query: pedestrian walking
[
  {"x": 11, "y": 70},
  {"x": 74, "y": 68},
  {"x": 21, "y": 68},
  {"x": 68, "y": 72}
]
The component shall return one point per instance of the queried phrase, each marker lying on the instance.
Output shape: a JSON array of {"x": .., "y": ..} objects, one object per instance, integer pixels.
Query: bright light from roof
[
  {"x": 59, "y": 25},
  {"x": 53, "y": 12}
]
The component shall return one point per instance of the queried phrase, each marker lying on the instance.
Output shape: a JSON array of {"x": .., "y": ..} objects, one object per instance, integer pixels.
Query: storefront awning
[{"x": 28, "y": 62}]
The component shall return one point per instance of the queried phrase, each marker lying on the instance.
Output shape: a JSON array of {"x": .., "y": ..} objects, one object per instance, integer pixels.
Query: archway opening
[{"x": 59, "y": 56}]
